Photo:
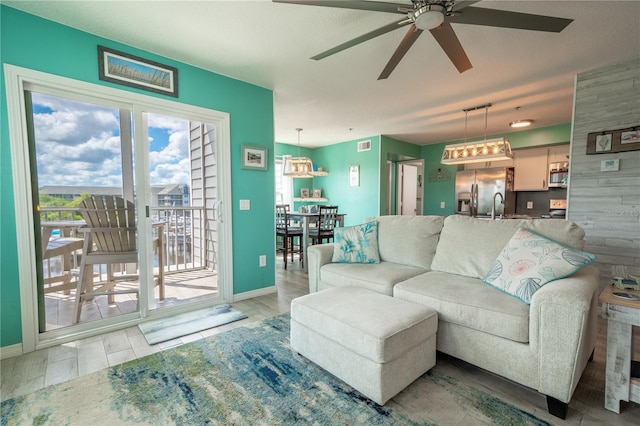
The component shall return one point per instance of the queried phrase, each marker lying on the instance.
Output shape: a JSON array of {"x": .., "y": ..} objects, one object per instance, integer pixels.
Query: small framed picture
[
  {"x": 631, "y": 136},
  {"x": 133, "y": 71},
  {"x": 304, "y": 192},
  {"x": 354, "y": 175},
  {"x": 612, "y": 141},
  {"x": 317, "y": 193},
  {"x": 254, "y": 158},
  {"x": 603, "y": 142}
]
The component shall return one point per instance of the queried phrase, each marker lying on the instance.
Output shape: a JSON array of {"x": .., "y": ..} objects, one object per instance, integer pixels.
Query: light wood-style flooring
[{"x": 27, "y": 373}]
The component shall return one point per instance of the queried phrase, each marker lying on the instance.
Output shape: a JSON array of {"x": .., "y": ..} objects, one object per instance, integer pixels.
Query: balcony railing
[{"x": 190, "y": 235}]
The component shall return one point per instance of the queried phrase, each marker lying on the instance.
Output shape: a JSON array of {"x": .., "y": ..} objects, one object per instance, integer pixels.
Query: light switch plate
[{"x": 245, "y": 204}]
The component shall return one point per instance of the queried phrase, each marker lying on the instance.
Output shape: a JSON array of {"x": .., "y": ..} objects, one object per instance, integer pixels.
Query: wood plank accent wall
[{"x": 607, "y": 204}]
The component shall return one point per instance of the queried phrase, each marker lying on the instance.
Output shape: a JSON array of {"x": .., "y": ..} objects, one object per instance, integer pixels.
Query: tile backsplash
[{"x": 540, "y": 200}]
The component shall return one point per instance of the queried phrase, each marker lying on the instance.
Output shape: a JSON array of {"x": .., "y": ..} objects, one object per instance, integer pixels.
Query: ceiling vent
[{"x": 364, "y": 146}]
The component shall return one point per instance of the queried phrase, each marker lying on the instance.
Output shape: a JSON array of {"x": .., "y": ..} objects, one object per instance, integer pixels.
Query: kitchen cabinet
[
  {"x": 531, "y": 169},
  {"x": 489, "y": 164},
  {"x": 559, "y": 154}
]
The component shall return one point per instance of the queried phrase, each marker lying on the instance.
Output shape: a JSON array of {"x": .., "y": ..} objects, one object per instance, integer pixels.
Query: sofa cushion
[
  {"x": 380, "y": 277},
  {"x": 469, "y": 246},
  {"x": 468, "y": 302},
  {"x": 530, "y": 260},
  {"x": 356, "y": 244},
  {"x": 409, "y": 240}
]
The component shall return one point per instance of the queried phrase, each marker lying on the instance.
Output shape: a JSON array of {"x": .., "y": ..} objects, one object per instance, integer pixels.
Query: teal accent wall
[
  {"x": 357, "y": 202},
  {"x": 31, "y": 42},
  {"x": 435, "y": 192}
]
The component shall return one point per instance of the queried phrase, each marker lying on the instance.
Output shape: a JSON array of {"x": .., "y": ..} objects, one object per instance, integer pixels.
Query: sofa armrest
[
  {"x": 317, "y": 256},
  {"x": 563, "y": 330}
]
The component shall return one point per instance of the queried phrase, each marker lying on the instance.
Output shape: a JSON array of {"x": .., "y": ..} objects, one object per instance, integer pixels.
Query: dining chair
[
  {"x": 327, "y": 222},
  {"x": 288, "y": 235},
  {"x": 109, "y": 239}
]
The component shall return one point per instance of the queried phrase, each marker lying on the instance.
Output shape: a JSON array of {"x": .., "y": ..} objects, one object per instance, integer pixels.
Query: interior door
[{"x": 407, "y": 189}]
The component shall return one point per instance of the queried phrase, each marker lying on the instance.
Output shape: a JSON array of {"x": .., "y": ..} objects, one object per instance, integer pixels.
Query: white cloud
[{"x": 79, "y": 144}]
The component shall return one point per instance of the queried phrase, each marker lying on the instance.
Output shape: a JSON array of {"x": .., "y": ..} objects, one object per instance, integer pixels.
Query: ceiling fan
[{"x": 437, "y": 17}]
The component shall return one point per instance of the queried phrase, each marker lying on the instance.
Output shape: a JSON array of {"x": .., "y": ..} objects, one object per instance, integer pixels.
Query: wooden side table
[{"x": 622, "y": 315}]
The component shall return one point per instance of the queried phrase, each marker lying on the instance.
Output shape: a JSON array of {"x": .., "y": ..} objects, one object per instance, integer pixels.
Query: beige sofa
[{"x": 439, "y": 262}]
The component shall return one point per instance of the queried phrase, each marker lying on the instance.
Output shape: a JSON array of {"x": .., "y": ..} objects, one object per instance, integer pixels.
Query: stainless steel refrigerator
[{"x": 475, "y": 191}]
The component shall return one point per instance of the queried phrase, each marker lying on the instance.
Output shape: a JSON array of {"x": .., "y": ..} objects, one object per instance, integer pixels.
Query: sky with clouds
[{"x": 78, "y": 144}]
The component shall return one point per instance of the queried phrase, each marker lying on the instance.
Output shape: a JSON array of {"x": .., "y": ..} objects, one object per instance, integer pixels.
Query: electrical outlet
[
  {"x": 529, "y": 204},
  {"x": 245, "y": 204},
  {"x": 263, "y": 260},
  {"x": 442, "y": 204}
]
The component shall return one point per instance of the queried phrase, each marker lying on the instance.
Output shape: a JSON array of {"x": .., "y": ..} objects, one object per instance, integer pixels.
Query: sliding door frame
[{"x": 17, "y": 80}]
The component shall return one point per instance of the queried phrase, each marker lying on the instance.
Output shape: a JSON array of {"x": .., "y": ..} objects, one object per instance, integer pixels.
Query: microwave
[{"x": 558, "y": 174}]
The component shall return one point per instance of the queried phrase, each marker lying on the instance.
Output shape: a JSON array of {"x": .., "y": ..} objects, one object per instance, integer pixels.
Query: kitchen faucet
[{"x": 493, "y": 208}]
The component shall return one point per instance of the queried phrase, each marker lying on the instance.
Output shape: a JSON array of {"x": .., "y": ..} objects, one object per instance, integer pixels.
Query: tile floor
[{"x": 27, "y": 373}]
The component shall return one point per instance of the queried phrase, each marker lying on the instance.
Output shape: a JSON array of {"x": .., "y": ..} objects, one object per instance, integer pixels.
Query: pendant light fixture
[
  {"x": 479, "y": 151},
  {"x": 297, "y": 167}
]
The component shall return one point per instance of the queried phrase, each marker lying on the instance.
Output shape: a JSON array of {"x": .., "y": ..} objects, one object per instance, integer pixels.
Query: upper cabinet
[
  {"x": 531, "y": 169},
  {"x": 559, "y": 154},
  {"x": 489, "y": 164}
]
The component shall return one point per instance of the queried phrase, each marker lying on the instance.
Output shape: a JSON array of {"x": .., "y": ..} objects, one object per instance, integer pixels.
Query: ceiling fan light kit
[{"x": 429, "y": 17}]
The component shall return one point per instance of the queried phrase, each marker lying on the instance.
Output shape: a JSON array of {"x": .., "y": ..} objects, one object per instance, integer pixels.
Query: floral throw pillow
[
  {"x": 356, "y": 244},
  {"x": 530, "y": 260}
]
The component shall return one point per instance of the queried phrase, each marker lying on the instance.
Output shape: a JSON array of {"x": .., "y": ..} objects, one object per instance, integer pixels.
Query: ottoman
[{"x": 375, "y": 343}]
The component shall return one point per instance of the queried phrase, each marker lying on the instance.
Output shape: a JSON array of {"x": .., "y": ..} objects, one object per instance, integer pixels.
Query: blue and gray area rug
[{"x": 248, "y": 376}]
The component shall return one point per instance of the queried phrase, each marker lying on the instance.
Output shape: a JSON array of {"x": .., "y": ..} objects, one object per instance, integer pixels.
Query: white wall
[{"x": 607, "y": 204}]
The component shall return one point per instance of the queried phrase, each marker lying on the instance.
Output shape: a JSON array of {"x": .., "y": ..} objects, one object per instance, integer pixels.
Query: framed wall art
[
  {"x": 254, "y": 158},
  {"x": 354, "y": 175},
  {"x": 133, "y": 71},
  {"x": 610, "y": 141}
]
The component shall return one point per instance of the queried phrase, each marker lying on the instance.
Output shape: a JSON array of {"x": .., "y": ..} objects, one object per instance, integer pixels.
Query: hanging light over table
[
  {"x": 479, "y": 151},
  {"x": 297, "y": 167}
]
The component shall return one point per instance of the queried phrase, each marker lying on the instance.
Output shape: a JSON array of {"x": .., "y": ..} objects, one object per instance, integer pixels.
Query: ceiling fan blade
[
  {"x": 363, "y": 38},
  {"x": 506, "y": 19},
  {"x": 462, "y": 4},
  {"x": 402, "y": 49},
  {"x": 449, "y": 42},
  {"x": 358, "y": 5}
]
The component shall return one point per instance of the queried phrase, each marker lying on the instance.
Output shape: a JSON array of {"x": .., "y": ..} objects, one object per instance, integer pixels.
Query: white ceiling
[{"x": 339, "y": 98}]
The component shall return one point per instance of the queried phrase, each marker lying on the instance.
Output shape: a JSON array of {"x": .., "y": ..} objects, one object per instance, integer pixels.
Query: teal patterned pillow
[
  {"x": 356, "y": 244},
  {"x": 530, "y": 260}
]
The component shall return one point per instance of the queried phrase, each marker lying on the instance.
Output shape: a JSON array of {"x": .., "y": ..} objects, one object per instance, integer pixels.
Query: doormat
[{"x": 164, "y": 329}]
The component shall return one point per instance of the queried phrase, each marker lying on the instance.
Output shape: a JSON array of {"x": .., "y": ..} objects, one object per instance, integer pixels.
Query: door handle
[{"x": 217, "y": 214}]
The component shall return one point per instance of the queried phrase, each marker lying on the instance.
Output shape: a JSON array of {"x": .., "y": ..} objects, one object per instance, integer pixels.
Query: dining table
[{"x": 307, "y": 218}]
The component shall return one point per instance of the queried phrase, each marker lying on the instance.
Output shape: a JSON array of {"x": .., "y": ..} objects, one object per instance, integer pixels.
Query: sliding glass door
[{"x": 73, "y": 140}]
